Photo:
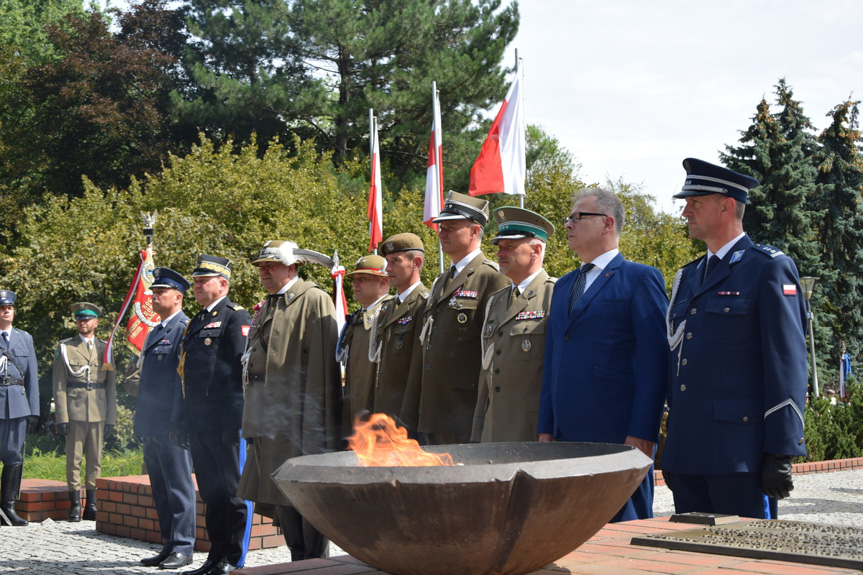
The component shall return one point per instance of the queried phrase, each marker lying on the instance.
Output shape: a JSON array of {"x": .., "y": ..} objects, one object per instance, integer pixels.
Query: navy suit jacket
[
  {"x": 606, "y": 364},
  {"x": 737, "y": 386},
  {"x": 160, "y": 390},
  {"x": 16, "y": 400}
]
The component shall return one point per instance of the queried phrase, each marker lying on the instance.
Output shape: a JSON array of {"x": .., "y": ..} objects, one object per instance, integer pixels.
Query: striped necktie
[{"x": 578, "y": 286}]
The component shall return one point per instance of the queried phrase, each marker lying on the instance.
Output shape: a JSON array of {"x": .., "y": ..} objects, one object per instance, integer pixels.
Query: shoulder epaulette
[
  {"x": 235, "y": 306},
  {"x": 696, "y": 261},
  {"x": 551, "y": 279},
  {"x": 491, "y": 263},
  {"x": 769, "y": 250},
  {"x": 67, "y": 340}
]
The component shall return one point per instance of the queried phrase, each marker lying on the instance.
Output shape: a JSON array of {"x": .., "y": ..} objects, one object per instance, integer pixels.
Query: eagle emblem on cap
[
  {"x": 500, "y": 214},
  {"x": 390, "y": 246}
]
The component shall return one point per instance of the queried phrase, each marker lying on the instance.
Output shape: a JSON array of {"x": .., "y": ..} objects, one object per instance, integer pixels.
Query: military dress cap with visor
[
  {"x": 370, "y": 265},
  {"x": 7, "y": 297},
  {"x": 288, "y": 253},
  {"x": 402, "y": 243},
  {"x": 168, "y": 278},
  {"x": 85, "y": 310},
  {"x": 704, "y": 179},
  {"x": 516, "y": 223},
  {"x": 210, "y": 266},
  {"x": 463, "y": 207}
]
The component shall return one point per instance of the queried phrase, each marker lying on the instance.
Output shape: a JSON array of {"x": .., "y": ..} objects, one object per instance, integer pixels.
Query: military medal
[
  {"x": 525, "y": 345},
  {"x": 208, "y": 341},
  {"x": 462, "y": 318},
  {"x": 453, "y": 302},
  {"x": 489, "y": 329}
]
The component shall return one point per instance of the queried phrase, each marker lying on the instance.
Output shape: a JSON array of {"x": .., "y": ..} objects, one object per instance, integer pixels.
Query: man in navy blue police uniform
[
  {"x": 605, "y": 366},
  {"x": 212, "y": 409},
  {"x": 738, "y": 373},
  {"x": 159, "y": 396},
  {"x": 19, "y": 401}
]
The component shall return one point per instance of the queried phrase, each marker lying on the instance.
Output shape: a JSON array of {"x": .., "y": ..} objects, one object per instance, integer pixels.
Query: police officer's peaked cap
[
  {"x": 7, "y": 297},
  {"x": 463, "y": 207},
  {"x": 85, "y": 310},
  {"x": 704, "y": 179},
  {"x": 516, "y": 223},
  {"x": 209, "y": 266},
  {"x": 370, "y": 265},
  {"x": 401, "y": 243},
  {"x": 168, "y": 278}
]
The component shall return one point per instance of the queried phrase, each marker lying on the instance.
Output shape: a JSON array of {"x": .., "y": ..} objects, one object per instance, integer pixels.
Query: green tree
[
  {"x": 24, "y": 21},
  {"x": 840, "y": 229}
]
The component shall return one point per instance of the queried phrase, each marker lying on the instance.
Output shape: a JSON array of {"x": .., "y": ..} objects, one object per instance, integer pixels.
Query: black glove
[
  {"x": 231, "y": 436},
  {"x": 250, "y": 442},
  {"x": 776, "y": 479},
  {"x": 109, "y": 428},
  {"x": 179, "y": 438},
  {"x": 63, "y": 428},
  {"x": 33, "y": 423}
]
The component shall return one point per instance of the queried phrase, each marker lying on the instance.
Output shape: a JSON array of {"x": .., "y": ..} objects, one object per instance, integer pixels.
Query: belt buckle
[{"x": 90, "y": 386}]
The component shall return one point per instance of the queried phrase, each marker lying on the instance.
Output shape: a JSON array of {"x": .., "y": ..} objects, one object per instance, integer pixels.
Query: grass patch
[{"x": 52, "y": 465}]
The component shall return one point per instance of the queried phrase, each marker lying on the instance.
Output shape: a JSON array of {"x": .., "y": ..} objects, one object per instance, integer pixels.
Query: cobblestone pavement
[{"x": 58, "y": 547}]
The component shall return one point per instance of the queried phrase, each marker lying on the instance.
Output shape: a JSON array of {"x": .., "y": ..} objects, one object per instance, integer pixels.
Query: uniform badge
[
  {"x": 215, "y": 313},
  {"x": 462, "y": 317},
  {"x": 245, "y": 330},
  {"x": 537, "y": 314},
  {"x": 390, "y": 246},
  {"x": 405, "y": 320},
  {"x": 453, "y": 303},
  {"x": 213, "y": 325},
  {"x": 526, "y": 345},
  {"x": 208, "y": 341},
  {"x": 789, "y": 289},
  {"x": 735, "y": 257},
  {"x": 489, "y": 329}
]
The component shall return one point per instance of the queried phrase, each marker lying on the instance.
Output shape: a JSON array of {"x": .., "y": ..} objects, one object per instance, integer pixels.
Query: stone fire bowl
[{"x": 509, "y": 508}]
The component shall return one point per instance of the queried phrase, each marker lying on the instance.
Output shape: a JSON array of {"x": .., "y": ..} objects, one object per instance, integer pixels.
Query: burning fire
[{"x": 378, "y": 442}]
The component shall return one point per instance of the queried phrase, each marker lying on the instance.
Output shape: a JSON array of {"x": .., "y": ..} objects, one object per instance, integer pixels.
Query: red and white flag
[
  {"x": 434, "y": 172},
  {"x": 341, "y": 303},
  {"x": 140, "y": 298},
  {"x": 375, "y": 210},
  {"x": 501, "y": 165}
]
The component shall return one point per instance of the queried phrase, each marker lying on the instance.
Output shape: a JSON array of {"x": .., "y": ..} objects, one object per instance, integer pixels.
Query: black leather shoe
[
  {"x": 222, "y": 568},
  {"x": 203, "y": 569},
  {"x": 156, "y": 559},
  {"x": 175, "y": 561}
]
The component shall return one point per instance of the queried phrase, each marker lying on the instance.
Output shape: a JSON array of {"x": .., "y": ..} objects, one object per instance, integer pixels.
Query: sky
[{"x": 632, "y": 87}]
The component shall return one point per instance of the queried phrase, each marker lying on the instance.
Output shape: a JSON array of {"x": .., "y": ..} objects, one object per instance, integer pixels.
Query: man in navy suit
[
  {"x": 19, "y": 401},
  {"x": 605, "y": 354},
  {"x": 738, "y": 373},
  {"x": 159, "y": 396}
]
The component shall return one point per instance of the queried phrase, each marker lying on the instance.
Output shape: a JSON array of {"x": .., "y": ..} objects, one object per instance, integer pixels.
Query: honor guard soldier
[
  {"x": 212, "y": 409},
  {"x": 513, "y": 333},
  {"x": 19, "y": 402},
  {"x": 396, "y": 349},
  {"x": 606, "y": 367},
  {"x": 293, "y": 386},
  {"x": 452, "y": 323},
  {"x": 738, "y": 358},
  {"x": 160, "y": 394},
  {"x": 85, "y": 400},
  {"x": 371, "y": 290}
]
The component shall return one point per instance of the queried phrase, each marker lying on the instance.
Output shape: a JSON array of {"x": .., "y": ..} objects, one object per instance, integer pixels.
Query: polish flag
[
  {"x": 434, "y": 172},
  {"x": 341, "y": 303},
  {"x": 501, "y": 166},
  {"x": 375, "y": 210}
]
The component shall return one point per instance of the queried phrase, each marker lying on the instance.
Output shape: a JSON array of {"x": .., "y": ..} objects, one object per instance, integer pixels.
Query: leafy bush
[{"x": 834, "y": 431}]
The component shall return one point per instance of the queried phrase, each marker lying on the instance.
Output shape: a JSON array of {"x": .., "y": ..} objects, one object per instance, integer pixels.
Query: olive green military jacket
[
  {"x": 74, "y": 367},
  {"x": 513, "y": 347},
  {"x": 399, "y": 356},
  {"x": 450, "y": 337},
  {"x": 359, "y": 366},
  {"x": 292, "y": 387}
]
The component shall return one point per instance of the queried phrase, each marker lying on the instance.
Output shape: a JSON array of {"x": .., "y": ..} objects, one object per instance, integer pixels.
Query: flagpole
[
  {"x": 372, "y": 134},
  {"x": 439, "y": 162},
  {"x": 520, "y": 71}
]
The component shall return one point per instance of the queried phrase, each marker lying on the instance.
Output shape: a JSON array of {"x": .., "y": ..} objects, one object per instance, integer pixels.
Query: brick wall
[{"x": 125, "y": 508}]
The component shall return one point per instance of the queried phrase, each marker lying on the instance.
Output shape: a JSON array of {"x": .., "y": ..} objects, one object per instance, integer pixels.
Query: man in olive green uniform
[
  {"x": 513, "y": 334},
  {"x": 85, "y": 399},
  {"x": 396, "y": 347},
  {"x": 371, "y": 289},
  {"x": 292, "y": 387},
  {"x": 453, "y": 322}
]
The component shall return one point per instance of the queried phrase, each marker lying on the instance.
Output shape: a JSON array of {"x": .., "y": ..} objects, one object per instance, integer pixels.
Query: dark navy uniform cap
[
  {"x": 168, "y": 278},
  {"x": 209, "y": 266},
  {"x": 704, "y": 179},
  {"x": 7, "y": 297}
]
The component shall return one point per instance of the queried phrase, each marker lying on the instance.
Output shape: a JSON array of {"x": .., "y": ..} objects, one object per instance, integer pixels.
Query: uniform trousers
[
  {"x": 304, "y": 541},
  {"x": 170, "y": 471},
  {"x": 84, "y": 437},
  {"x": 217, "y": 470},
  {"x": 726, "y": 494},
  {"x": 12, "y": 435}
]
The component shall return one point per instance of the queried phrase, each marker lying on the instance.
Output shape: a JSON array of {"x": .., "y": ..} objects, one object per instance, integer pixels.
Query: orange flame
[{"x": 378, "y": 442}]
